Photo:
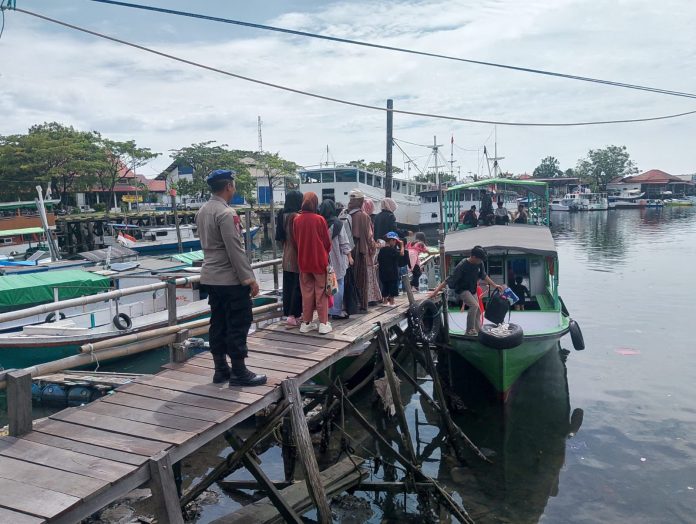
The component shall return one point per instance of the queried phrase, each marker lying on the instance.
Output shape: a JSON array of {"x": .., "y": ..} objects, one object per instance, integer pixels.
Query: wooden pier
[{"x": 77, "y": 461}]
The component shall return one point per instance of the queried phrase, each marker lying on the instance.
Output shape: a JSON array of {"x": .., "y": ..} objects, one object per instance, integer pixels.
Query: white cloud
[{"x": 127, "y": 94}]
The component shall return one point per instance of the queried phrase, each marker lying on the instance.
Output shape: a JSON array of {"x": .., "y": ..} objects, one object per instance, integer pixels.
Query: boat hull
[{"x": 502, "y": 367}]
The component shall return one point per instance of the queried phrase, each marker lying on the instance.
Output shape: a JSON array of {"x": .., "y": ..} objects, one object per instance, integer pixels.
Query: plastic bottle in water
[{"x": 423, "y": 283}]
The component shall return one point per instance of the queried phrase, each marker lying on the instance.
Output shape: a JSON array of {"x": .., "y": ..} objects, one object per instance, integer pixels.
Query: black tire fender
[
  {"x": 425, "y": 320},
  {"x": 491, "y": 339},
  {"x": 576, "y": 336},
  {"x": 51, "y": 317},
  {"x": 122, "y": 322}
]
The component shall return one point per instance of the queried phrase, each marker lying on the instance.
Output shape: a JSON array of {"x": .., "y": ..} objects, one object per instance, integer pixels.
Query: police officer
[{"x": 229, "y": 280}]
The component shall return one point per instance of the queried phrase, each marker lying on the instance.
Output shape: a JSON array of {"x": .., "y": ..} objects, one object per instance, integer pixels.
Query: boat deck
[{"x": 78, "y": 460}]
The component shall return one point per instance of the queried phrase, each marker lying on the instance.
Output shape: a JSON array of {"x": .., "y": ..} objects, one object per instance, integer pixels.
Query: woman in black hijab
[{"x": 292, "y": 297}]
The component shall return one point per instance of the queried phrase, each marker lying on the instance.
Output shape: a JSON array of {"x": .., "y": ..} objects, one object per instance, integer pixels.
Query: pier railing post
[
  {"x": 171, "y": 303},
  {"x": 163, "y": 487},
  {"x": 19, "y": 402},
  {"x": 306, "y": 451}
]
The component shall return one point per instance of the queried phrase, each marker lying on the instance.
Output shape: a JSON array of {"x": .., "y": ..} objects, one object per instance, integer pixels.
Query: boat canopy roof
[
  {"x": 21, "y": 231},
  {"x": 190, "y": 257},
  {"x": 531, "y": 185},
  {"x": 536, "y": 240},
  {"x": 23, "y": 290}
]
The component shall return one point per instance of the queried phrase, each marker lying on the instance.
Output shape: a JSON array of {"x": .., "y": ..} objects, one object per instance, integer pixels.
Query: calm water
[{"x": 603, "y": 435}]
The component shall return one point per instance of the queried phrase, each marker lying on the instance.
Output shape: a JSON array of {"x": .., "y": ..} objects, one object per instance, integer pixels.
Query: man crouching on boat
[
  {"x": 464, "y": 279},
  {"x": 229, "y": 280}
]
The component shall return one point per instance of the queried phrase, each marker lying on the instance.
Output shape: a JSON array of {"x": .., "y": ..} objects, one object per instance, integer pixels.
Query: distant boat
[{"x": 156, "y": 239}]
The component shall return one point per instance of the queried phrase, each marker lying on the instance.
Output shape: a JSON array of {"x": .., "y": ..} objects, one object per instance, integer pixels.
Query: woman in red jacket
[{"x": 313, "y": 246}]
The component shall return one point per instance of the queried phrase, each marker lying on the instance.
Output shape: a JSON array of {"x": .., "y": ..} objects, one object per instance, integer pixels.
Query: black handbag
[{"x": 497, "y": 307}]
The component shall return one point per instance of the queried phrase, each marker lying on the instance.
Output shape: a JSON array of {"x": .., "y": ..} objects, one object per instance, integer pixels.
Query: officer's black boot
[
  {"x": 222, "y": 369},
  {"x": 241, "y": 376}
]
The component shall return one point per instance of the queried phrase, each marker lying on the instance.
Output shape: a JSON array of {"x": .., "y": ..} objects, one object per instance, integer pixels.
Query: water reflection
[{"x": 526, "y": 440}]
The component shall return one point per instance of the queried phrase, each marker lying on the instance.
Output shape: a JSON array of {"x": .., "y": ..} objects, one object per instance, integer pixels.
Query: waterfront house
[{"x": 653, "y": 184}]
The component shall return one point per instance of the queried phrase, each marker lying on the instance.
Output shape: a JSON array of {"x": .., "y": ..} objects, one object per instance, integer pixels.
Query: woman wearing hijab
[
  {"x": 361, "y": 230},
  {"x": 385, "y": 221},
  {"x": 374, "y": 295},
  {"x": 313, "y": 246},
  {"x": 292, "y": 296},
  {"x": 339, "y": 256}
]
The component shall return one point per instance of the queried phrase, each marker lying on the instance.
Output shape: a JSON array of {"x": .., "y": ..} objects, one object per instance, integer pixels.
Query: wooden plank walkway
[{"x": 81, "y": 459}]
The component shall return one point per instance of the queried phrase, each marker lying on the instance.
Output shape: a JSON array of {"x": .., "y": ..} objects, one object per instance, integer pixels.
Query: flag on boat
[{"x": 125, "y": 239}]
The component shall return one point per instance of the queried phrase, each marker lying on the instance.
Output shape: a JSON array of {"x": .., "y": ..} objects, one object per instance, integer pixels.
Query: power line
[
  {"x": 400, "y": 49},
  {"x": 348, "y": 102}
]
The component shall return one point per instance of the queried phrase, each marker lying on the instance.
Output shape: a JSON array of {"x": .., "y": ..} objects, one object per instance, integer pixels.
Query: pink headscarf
[
  {"x": 368, "y": 206},
  {"x": 388, "y": 204}
]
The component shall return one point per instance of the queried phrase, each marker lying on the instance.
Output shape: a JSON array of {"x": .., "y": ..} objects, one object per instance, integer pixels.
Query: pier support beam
[
  {"x": 19, "y": 402},
  {"x": 306, "y": 450},
  {"x": 163, "y": 487}
]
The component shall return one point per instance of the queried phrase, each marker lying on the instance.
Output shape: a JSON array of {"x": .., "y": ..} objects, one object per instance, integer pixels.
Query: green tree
[
  {"x": 549, "y": 167},
  {"x": 603, "y": 165},
  {"x": 115, "y": 158},
  {"x": 431, "y": 178},
  {"x": 50, "y": 154},
  {"x": 205, "y": 157}
]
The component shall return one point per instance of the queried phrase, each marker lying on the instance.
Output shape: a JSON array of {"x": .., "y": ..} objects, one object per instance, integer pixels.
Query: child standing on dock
[{"x": 389, "y": 260}]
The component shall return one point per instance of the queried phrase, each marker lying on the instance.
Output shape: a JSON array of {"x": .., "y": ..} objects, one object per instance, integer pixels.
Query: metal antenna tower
[{"x": 260, "y": 137}]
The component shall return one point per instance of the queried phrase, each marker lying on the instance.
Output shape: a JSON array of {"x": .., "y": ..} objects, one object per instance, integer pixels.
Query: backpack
[{"x": 347, "y": 220}]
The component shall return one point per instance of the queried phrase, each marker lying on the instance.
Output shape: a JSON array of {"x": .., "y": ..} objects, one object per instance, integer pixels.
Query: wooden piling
[
  {"x": 163, "y": 487},
  {"x": 19, "y": 402},
  {"x": 305, "y": 450}
]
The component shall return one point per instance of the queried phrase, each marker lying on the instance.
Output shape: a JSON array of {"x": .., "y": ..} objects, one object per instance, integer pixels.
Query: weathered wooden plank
[
  {"x": 305, "y": 450},
  {"x": 121, "y": 426},
  {"x": 13, "y": 496},
  {"x": 152, "y": 392},
  {"x": 268, "y": 333},
  {"x": 254, "y": 365},
  {"x": 164, "y": 492},
  {"x": 48, "y": 478},
  {"x": 19, "y": 402},
  {"x": 276, "y": 362},
  {"x": 64, "y": 459},
  {"x": 285, "y": 509},
  {"x": 291, "y": 350},
  {"x": 84, "y": 448},
  {"x": 128, "y": 443},
  {"x": 210, "y": 391},
  {"x": 95, "y": 503},
  {"x": 8, "y": 516},
  {"x": 123, "y": 398},
  {"x": 155, "y": 418},
  {"x": 337, "y": 478},
  {"x": 201, "y": 380}
]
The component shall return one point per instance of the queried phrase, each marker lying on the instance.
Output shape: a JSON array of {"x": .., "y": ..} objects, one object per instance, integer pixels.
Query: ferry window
[
  {"x": 397, "y": 186},
  {"x": 310, "y": 178},
  {"x": 369, "y": 179},
  {"x": 327, "y": 177},
  {"x": 161, "y": 233},
  {"x": 362, "y": 177},
  {"x": 346, "y": 176},
  {"x": 378, "y": 181}
]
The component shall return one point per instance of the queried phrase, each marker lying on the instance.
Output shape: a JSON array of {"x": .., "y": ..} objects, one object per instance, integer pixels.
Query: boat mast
[
  {"x": 50, "y": 241},
  {"x": 390, "y": 134}
]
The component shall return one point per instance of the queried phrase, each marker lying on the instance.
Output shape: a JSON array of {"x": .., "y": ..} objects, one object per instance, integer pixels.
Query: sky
[{"x": 50, "y": 73}]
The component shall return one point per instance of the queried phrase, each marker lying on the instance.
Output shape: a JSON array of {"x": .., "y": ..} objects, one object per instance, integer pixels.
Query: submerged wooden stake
[{"x": 305, "y": 450}]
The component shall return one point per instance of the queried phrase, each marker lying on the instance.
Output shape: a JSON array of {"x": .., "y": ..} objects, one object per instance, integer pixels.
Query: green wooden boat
[{"x": 515, "y": 250}]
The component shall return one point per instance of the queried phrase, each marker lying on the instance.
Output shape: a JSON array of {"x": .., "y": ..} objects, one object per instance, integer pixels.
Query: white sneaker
[
  {"x": 325, "y": 328},
  {"x": 306, "y": 328}
]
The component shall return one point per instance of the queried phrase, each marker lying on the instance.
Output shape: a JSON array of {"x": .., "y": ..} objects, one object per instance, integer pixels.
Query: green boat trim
[{"x": 503, "y": 367}]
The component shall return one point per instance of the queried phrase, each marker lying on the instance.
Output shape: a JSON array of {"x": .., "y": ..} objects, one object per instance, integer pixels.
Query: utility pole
[
  {"x": 452, "y": 160},
  {"x": 441, "y": 231},
  {"x": 390, "y": 139},
  {"x": 259, "y": 128}
]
